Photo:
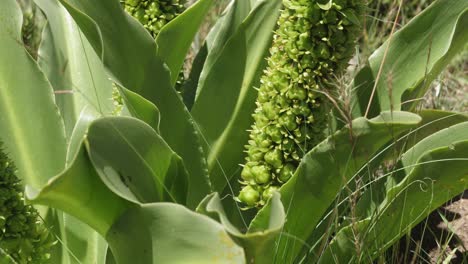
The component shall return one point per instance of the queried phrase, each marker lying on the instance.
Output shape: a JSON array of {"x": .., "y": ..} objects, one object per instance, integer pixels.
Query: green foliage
[
  {"x": 141, "y": 185},
  {"x": 443, "y": 156},
  {"x": 379, "y": 29},
  {"x": 400, "y": 71},
  {"x": 148, "y": 77},
  {"x": 23, "y": 235},
  {"x": 312, "y": 46}
]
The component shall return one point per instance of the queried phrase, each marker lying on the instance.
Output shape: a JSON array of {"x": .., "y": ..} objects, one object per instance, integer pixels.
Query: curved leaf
[
  {"x": 412, "y": 58},
  {"x": 443, "y": 138},
  {"x": 439, "y": 175},
  {"x": 130, "y": 56},
  {"x": 258, "y": 244},
  {"x": 30, "y": 125},
  {"x": 80, "y": 192},
  {"x": 219, "y": 34},
  {"x": 155, "y": 230},
  {"x": 175, "y": 38},
  {"x": 130, "y": 156},
  {"x": 433, "y": 122},
  {"x": 325, "y": 170},
  {"x": 141, "y": 108},
  {"x": 224, "y": 29},
  {"x": 78, "y": 242},
  {"x": 75, "y": 71}
]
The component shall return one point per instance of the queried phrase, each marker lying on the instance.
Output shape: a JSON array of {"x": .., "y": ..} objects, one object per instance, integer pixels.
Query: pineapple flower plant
[{"x": 161, "y": 182}]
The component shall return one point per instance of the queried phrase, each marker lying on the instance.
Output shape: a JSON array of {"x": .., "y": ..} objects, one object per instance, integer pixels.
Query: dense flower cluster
[
  {"x": 314, "y": 41},
  {"x": 154, "y": 14},
  {"x": 22, "y": 235}
]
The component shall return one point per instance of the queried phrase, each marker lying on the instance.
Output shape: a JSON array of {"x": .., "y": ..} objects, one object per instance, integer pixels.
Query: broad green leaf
[
  {"x": 443, "y": 138},
  {"x": 153, "y": 230},
  {"x": 226, "y": 26},
  {"x": 47, "y": 137},
  {"x": 325, "y": 170},
  {"x": 159, "y": 233},
  {"x": 224, "y": 29},
  {"x": 170, "y": 233},
  {"x": 130, "y": 56},
  {"x": 133, "y": 158},
  {"x": 258, "y": 244},
  {"x": 413, "y": 58},
  {"x": 189, "y": 86},
  {"x": 87, "y": 115},
  {"x": 237, "y": 69},
  {"x": 219, "y": 34},
  {"x": 30, "y": 124},
  {"x": 175, "y": 38},
  {"x": 82, "y": 93},
  {"x": 439, "y": 175},
  {"x": 80, "y": 192},
  {"x": 141, "y": 108},
  {"x": 224, "y": 99},
  {"x": 74, "y": 70},
  {"x": 433, "y": 121}
]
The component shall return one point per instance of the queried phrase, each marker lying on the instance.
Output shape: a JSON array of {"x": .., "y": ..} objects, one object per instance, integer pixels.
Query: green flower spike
[
  {"x": 314, "y": 41},
  {"x": 23, "y": 237}
]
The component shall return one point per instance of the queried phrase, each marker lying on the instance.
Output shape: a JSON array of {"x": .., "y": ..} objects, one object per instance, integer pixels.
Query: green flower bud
[
  {"x": 275, "y": 133},
  {"x": 297, "y": 93},
  {"x": 270, "y": 110},
  {"x": 322, "y": 51},
  {"x": 260, "y": 119},
  {"x": 249, "y": 196},
  {"x": 246, "y": 174},
  {"x": 262, "y": 174},
  {"x": 274, "y": 158},
  {"x": 288, "y": 122},
  {"x": 268, "y": 192},
  {"x": 286, "y": 172}
]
